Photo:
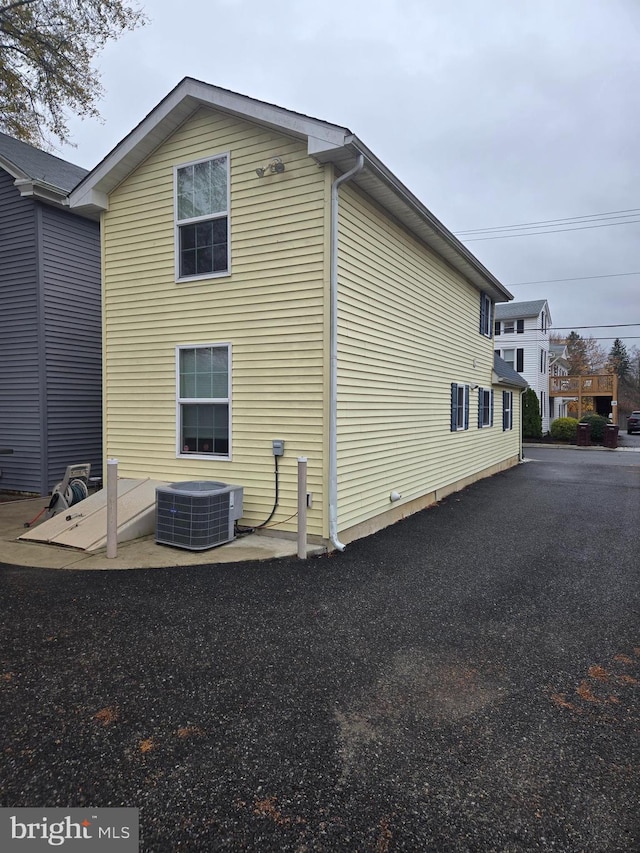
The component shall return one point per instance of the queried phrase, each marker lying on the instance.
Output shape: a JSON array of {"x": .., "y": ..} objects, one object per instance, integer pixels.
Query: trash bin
[
  {"x": 611, "y": 436},
  {"x": 583, "y": 438}
]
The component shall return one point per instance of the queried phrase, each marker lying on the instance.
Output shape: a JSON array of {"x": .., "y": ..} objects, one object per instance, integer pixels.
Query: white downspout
[
  {"x": 333, "y": 357},
  {"x": 521, "y": 458}
]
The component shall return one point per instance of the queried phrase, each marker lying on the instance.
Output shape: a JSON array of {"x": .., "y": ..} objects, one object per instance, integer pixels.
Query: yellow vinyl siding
[
  {"x": 408, "y": 328},
  {"x": 270, "y": 309}
]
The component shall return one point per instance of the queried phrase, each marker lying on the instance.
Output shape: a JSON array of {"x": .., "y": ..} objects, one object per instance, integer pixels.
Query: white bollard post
[
  {"x": 112, "y": 508},
  {"x": 302, "y": 507}
]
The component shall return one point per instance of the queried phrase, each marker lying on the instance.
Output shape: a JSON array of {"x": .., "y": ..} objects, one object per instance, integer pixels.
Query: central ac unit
[{"x": 197, "y": 515}]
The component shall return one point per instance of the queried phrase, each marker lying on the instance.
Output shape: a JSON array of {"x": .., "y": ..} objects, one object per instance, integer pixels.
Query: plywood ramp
[{"x": 84, "y": 525}]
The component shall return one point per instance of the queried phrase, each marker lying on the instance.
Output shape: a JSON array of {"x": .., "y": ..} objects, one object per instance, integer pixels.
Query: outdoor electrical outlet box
[{"x": 278, "y": 446}]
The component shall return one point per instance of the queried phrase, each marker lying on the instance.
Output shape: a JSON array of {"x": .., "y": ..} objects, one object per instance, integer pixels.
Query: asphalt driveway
[{"x": 467, "y": 680}]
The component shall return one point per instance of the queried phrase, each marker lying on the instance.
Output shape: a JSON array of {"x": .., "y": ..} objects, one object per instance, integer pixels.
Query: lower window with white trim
[
  {"x": 203, "y": 411},
  {"x": 485, "y": 407},
  {"x": 507, "y": 410},
  {"x": 459, "y": 407}
]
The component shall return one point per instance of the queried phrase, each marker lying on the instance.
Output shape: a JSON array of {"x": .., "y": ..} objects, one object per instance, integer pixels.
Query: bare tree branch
[{"x": 46, "y": 54}]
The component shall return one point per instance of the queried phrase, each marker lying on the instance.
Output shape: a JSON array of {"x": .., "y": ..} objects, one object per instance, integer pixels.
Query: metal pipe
[
  {"x": 112, "y": 508},
  {"x": 302, "y": 507},
  {"x": 333, "y": 356}
]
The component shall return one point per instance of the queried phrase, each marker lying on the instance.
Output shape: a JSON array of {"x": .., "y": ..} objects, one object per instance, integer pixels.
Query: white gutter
[{"x": 333, "y": 357}]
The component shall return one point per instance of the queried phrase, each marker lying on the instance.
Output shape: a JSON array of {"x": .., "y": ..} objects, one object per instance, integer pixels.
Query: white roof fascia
[
  {"x": 28, "y": 188},
  {"x": 90, "y": 200},
  {"x": 326, "y": 143},
  {"x": 502, "y": 380},
  {"x": 317, "y": 147},
  {"x": 13, "y": 170},
  {"x": 189, "y": 96},
  {"x": 424, "y": 224}
]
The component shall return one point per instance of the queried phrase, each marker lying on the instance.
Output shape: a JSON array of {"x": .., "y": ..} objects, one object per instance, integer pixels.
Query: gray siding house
[{"x": 50, "y": 323}]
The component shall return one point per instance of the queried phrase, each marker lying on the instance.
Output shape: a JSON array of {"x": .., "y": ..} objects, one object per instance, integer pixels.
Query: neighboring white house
[
  {"x": 522, "y": 340},
  {"x": 558, "y": 366}
]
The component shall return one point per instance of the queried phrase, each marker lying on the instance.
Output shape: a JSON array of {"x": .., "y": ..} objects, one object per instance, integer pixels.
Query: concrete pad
[{"x": 135, "y": 554}]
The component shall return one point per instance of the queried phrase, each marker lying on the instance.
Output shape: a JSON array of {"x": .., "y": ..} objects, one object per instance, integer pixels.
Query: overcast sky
[{"x": 493, "y": 112}]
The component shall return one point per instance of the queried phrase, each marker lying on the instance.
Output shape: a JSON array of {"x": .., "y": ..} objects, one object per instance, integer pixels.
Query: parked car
[{"x": 633, "y": 423}]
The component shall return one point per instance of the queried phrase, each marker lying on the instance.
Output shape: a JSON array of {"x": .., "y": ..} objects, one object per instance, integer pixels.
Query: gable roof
[
  {"x": 37, "y": 173},
  {"x": 326, "y": 143},
  {"x": 520, "y": 310},
  {"x": 504, "y": 374}
]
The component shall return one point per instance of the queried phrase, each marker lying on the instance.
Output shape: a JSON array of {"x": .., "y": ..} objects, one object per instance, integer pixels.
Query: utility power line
[
  {"x": 623, "y": 338},
  {"x": 550, "y": 231},
  {"x": 579, "y": 278},
  {"x": 566, "y": 220},
  {"x": 602, "y": 326}
]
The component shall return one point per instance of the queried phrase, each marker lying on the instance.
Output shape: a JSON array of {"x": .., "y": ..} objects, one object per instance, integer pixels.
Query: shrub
[
  {"x": 597, "y": 423},
  {"x": 564, "y": 429},
  {"x": 531, "y": 420}
]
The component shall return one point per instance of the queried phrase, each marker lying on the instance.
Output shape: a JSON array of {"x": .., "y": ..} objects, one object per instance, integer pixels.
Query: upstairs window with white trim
[
  {"x": 486, "y": 315},
  {"x": 204, "y": 386},
  {"x": 202, "y": 218},
  {"x": 513, "y": 357}
]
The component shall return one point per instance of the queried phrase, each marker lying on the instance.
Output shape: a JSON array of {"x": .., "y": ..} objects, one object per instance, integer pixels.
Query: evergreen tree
[
  {"x": 619, "y": 361},
  {"x": 577, "y": 355},
  {"x": 531, "y": 419}
]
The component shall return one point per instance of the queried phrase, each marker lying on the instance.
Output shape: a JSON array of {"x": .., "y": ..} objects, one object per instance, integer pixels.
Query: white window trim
[
  {"x": 176, "y": 227},
  {"x": 481, "y": 393},
  {"x": 487, "y": 332},
  {"x": 208, "y": 456},
  {"x": 503, "y": 354},
  {"x": 464, "y": 427},
  {"x": 507, "y": 411}
]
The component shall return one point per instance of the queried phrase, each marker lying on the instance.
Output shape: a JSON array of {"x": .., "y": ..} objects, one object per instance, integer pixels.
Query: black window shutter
[
  {"x": 505, "y": 413},
  {"x": 520, "y": 327},
  {"x": 483, "y": 313},
  {"x": 496, "y": 327},
  {"x": 480, "y": 402},
  {"x": 454, "y": 406},
  {"x": 466, "y": 407},
  {"x": 491, "y": 407},
  {"x": 519, "y": 360}
]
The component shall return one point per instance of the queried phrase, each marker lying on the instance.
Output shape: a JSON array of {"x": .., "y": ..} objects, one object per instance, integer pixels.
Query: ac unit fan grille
[{"x": 196, "y": 522}]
